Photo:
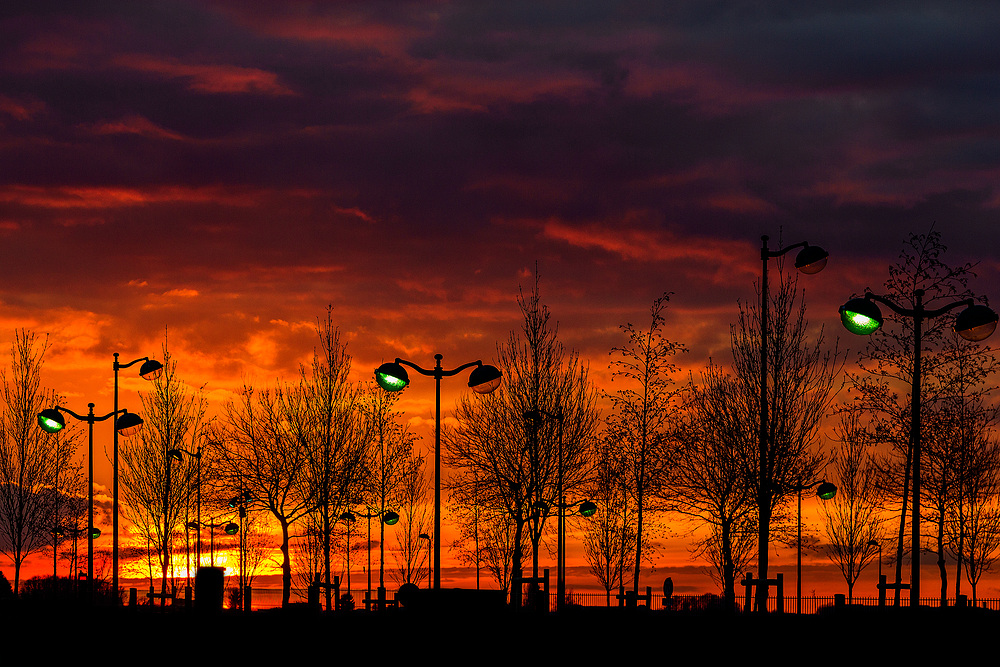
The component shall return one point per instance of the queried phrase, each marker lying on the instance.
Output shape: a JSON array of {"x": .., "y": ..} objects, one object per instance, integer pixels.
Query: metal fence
[{"x": 270, "y": 598}]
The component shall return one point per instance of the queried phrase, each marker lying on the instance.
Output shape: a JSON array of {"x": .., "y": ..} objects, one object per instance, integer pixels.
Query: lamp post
[
  {"x": 826, "y": 491},
  {"x": 389, "y": 518},
  {"x": 535, "y": 416},
  {"x": 150, "y": 370},
  {"x": 348, "y": 518},
  {"x": 178, "y": 455},
  {"x": 425, "y": 536},
  {"x": 809, "y": 260},
  {"x": 977, "y": 322},
  {"x": 586, "y": 509},
  {"x": 198, "y": 525},
  {"x": 484, "y": 379},
  {"x": 51, "y": 420},
  {"x": 239, "y": 503},
  {"x": 878, "y": 545}
]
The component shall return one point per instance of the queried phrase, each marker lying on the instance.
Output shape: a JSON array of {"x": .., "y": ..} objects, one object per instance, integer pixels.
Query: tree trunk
[{"x": 286, "y": 565}]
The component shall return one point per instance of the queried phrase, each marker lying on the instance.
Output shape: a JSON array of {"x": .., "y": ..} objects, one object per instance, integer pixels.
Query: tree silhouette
[
  {"x": 882, "y": 388},
  {"x": 853, "y": 517},
  {"x": 29, "y": 457},
  {"x": 643, "y": 414},
  {"x": 509, "y": 462},
  {"x": 609, "y": 540}
]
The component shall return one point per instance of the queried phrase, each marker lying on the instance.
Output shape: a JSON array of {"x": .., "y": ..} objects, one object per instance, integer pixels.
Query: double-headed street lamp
[
  {"x": 389, "y": 518},
  {"x": 52, "y": 420},
  {"x": 178, "y": 455},
  {"x": 585, "y": 508},
  {"x": 977, "y": 322},
  {"x": 150, "y": 370},
  {"x": 810, "y": 259},
  {"x": 392, "y": 377}
]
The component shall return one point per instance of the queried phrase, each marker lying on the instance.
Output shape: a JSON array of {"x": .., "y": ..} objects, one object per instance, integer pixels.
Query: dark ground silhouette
[{"x": 38, "y": 635}]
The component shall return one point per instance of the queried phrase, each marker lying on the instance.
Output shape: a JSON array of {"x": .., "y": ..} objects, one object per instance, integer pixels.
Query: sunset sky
[{"x": 222, "y": 171}]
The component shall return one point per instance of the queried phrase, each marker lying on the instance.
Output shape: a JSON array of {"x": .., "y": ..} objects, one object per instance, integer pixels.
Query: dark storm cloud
[{"x": 186, "y": 157}]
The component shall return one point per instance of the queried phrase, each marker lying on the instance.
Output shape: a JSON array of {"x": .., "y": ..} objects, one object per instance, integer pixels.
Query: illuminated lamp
[{"x": 861, "y": 317}]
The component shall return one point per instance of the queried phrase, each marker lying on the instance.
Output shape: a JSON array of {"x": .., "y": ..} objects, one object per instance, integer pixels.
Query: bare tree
[
  {"x": 260, "y": 459},
  {"x": 609, "y": 541},
  {"x": 643, "y": 413},
  {"x": 497, "y": 450},
  {"x": 709, "y": 481},
  {"x": 325, "y": 412},
  {"x": 28, "y": 459},
  {"x": 801, "y": 386},
  {"x": 415, "y": 518},
  {"x": 393, "y": 471},
  {"x": 853, "y": 516},
  {"x": 883, "y": 386}
]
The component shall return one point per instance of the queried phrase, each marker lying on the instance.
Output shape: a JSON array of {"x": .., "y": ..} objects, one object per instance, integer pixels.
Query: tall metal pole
[
  {"x": 114, "y": 502},
  {"x": 760, "y": 598},
  {"x": 918, "y": 313},
  {"x": 90, "y": 504},
  {"x": 438, "y": 371}
]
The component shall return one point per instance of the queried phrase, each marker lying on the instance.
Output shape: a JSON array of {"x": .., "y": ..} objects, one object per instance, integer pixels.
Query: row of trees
[
  {"x": 302, "y": 453},
  {"x": 691, "y": 449}
]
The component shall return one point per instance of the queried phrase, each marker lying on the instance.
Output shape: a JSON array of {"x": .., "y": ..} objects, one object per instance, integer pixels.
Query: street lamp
[
  {"x": 389, "y": 518},
  {"x": 535, "y": 416},
  {"x": 198, "y": 525},
  {"x": 586, "y": 509},
  {"x": 863, "y": 317},
  {"x": 150, "y": 370},
  {"x": 178, "y": 455},
  {"x": 392, "y": 377},
  {"x": 425, "y": 536},
  {"x": 51, "y": 420},
  {"x": 878, "y": 545},
  {"x": 826, "y": 491},
  {"x": 809, "y": 260}
]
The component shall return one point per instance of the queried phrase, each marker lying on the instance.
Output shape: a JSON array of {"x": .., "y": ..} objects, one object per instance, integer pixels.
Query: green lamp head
[
  {"x": 390, "y": 518},
  {"x": 587, "y": 508},
  {"x": 51, "y": 420},
  {"x": 826, "y": 491},
  {"x": 232, "y": 528},
  {"x": 391, "y": 376},
  {"x": 861, "y": 316}
]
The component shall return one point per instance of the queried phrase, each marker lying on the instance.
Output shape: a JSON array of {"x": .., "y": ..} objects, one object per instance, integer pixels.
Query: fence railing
[{"x": 270, "y": 598}]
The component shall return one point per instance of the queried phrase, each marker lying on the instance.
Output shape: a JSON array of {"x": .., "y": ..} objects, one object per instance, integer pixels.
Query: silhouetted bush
[{"x": 6, "y": 591}]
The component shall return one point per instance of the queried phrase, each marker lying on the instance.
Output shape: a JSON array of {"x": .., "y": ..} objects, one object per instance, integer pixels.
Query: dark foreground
[{"x": 43, "y": 635}]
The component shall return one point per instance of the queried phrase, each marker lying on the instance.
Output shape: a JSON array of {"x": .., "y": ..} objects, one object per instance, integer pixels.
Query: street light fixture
[
  {"x": 826, "y": 491},
  {"x": 863, "y": 317},
  {"x": 809, "y": 260},
  {"x": 178, "y": 455},
  {"x": 51, "y": 420},
  {"x": 425, "y": 536},
  {"x": 392, "y": 377},
  {"x": 389, "y": 518},
  {"x": 150, "y": 370}
]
